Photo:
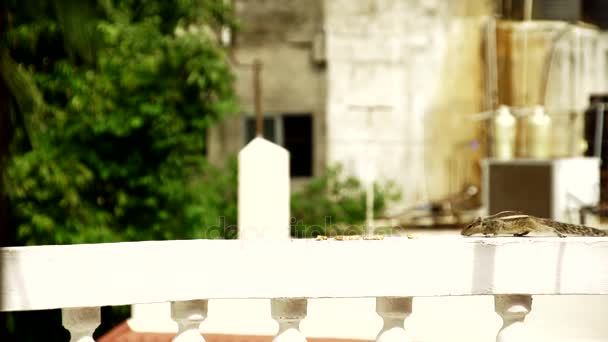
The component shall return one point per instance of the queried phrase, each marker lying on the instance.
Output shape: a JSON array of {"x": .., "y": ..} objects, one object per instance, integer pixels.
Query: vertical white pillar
[
  {"x": 513, "y": 310},
  {"x": 394, "y": 311},
  {"x": 263, "y": 208},
  {"x": 264, "y": 213},
  {"x": 288, "y": 313},
  {"x": 81, "y": 322},
  {"x": 189, "y": 315}
]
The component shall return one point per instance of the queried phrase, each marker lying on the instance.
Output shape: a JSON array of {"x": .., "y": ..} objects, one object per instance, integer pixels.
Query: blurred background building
[
  {"x": 468, "y": 106},
  {"x": 391, "y": 89}
]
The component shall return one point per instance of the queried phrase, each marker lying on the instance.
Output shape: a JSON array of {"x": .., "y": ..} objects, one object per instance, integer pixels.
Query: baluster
[
  {"x": 513, "y": 310},
  {"x": 289, "y": 313},
  {"x": 394, "y": 311},
  {"x": 189, "y": 315},
  {"x": 81, "y": 322}
]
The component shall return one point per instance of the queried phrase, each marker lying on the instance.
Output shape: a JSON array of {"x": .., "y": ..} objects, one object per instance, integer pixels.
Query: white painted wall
[
  {"x": 402, "y": 76},
  {"x": 378, "y": 54}
]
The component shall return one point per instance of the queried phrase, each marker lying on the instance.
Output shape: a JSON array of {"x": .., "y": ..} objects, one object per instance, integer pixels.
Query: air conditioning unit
[{"x": 555, "y": 189}]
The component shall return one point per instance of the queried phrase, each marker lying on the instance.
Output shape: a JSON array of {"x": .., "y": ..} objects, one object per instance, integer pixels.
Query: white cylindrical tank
[
  {"x": 503, "y": 134},
  {"x": 538, "y": 134}
]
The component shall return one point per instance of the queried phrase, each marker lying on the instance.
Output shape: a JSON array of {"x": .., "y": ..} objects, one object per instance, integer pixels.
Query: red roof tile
[{"x": 122, "y": 333}]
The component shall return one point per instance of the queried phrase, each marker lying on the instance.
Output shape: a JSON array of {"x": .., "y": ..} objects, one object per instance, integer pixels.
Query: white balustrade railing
[
  {"x": 189, "y": 315},
  {"x": 81, "y": 278}
]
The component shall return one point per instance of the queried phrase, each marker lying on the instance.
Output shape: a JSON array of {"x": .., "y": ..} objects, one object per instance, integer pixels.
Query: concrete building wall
[
  {"x": 402, "y": 78},
  {"x": 409, "y": 69},
  {"x": 455, "y": 149},
  {"x": 280, "y": 33}
]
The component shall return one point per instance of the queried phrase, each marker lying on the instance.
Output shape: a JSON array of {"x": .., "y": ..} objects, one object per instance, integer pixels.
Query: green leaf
[{"x": 136, "y": 122}]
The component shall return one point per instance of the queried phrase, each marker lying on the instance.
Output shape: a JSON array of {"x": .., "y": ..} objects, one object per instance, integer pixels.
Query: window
[
  {"x": 297, "y": 139},
  {"x": 269, "y": 129},
  {"x": 292, "y": 131}
]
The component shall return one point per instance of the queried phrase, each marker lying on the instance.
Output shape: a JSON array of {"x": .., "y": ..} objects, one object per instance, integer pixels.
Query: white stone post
[
  {"x": 264, "y": 213},
  {"x": 288, "y": 313},
  {"x": 263, "y": 198},
  {"x": 189, "y": 315},
  {"x": 513, "y": 310},
  {"x": 81, "y": 322},
  {"x": 394, "y": 311}
]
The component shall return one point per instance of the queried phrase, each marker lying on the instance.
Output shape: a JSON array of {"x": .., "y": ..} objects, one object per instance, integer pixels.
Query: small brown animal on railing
[{"x": 518, "y": 224}]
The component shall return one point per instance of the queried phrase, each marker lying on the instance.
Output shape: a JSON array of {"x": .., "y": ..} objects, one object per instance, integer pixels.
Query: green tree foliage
[
  {"x": 112, "y": 100},
  {"x": 109, "y": 105}
]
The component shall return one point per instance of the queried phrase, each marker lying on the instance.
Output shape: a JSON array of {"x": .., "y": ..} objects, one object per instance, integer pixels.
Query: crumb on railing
[{"x": 350, "y": 237}]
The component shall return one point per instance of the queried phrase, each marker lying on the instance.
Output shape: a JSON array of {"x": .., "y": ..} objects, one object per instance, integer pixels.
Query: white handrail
[{"x": 46, "y": 277}]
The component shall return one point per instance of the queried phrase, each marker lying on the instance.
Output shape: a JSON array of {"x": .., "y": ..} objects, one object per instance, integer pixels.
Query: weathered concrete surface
[
  {"x": 411, "y": 69},
  {"x": 402, "y": 77},
  {"x": 280, "y": 33}
]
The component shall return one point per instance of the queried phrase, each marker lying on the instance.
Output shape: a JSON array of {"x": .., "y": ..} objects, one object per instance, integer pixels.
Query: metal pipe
[
  {"x": 498, "y": 11},
  {"x": 508, "y": 9},
  {"x": 256, "y": 67},
  {"x": 257, "y": 94},
  {"x": 527, "y": 17},
  {"x": 492, "y": 65},
  {"x": 528, "y": 10},
  {"x": 599, "y": 130},
  {"x": 549, "y": 60}
]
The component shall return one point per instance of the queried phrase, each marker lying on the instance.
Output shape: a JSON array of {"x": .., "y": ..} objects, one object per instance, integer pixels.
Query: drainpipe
[{"x": 257, "y": 95}]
